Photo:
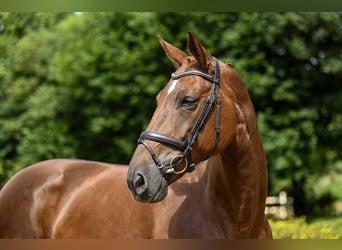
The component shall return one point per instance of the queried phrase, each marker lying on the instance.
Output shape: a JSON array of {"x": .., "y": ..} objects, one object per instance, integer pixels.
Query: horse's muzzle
[{"x": 147, "y": 184}]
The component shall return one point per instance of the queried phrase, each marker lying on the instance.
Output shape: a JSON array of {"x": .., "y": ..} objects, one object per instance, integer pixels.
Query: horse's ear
[
  {"x": 198, "y": 51},
  {"x": 175, "y": 55}
]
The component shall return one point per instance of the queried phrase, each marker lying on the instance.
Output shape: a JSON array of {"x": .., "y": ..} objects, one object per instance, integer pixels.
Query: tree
[{"x": 21, "y": 73}]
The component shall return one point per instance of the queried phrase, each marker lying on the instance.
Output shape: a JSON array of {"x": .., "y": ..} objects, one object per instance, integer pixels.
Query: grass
[
  {"x": 334, "y": 222},
  {"x": 300, "y": 228}
]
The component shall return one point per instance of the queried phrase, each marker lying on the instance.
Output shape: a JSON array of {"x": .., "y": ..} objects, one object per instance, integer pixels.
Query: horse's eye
[{"x": 189, "y": 103}]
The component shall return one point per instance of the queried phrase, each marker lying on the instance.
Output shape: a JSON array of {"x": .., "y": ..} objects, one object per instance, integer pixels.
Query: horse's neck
[{"x": 237, "y": 178}]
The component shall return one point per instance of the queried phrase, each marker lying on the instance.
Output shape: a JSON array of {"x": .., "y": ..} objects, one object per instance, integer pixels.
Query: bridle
[{"x": 187, "y": 144}]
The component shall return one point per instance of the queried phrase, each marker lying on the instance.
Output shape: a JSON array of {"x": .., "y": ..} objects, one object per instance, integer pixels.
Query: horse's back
[{"x": 53, "y": 198}]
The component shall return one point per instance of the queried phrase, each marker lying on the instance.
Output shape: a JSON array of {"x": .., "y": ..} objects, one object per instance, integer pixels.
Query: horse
[{"x": 205, "y": 124}]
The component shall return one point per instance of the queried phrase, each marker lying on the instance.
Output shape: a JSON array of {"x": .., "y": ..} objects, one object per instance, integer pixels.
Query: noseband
[{"x": 187, "y": 144}]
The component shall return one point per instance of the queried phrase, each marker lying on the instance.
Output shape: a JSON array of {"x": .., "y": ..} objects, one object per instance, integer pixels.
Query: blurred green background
[{"x": 83, "y": 85}]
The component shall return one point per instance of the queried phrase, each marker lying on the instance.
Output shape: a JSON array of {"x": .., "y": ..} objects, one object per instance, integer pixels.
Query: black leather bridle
[{"x": 187, "y": 144}]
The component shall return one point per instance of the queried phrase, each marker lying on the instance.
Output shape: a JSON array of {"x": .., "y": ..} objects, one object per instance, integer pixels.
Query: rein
[{"x": 187, "y": 144}]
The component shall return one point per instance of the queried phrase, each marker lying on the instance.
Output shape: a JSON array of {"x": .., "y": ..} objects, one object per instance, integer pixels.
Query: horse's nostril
[
  {"x": 139, "y": 184},
  {"x": 139, "y": 180}
]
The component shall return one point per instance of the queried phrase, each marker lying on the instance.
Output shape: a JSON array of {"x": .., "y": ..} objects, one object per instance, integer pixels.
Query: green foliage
[
  {"x": 84, "y": 86},
  {"x": 325, "y": 190},
  {"x": 300, "y": 229}
]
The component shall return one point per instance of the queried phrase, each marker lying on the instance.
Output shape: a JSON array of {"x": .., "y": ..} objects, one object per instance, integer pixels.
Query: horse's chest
[
  {"x": 190, "y": 219},
  {"x": 196, "y": 225}
]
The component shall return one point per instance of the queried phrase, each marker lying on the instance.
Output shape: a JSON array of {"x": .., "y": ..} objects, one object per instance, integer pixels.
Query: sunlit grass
[{"x": 299, "y": 228}]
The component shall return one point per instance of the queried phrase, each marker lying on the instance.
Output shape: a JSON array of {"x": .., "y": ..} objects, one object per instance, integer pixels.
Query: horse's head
[{"x": 195, "y": 119}]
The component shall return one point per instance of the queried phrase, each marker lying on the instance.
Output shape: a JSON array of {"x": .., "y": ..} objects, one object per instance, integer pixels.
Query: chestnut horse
[{"x": 204, "y": 123}]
